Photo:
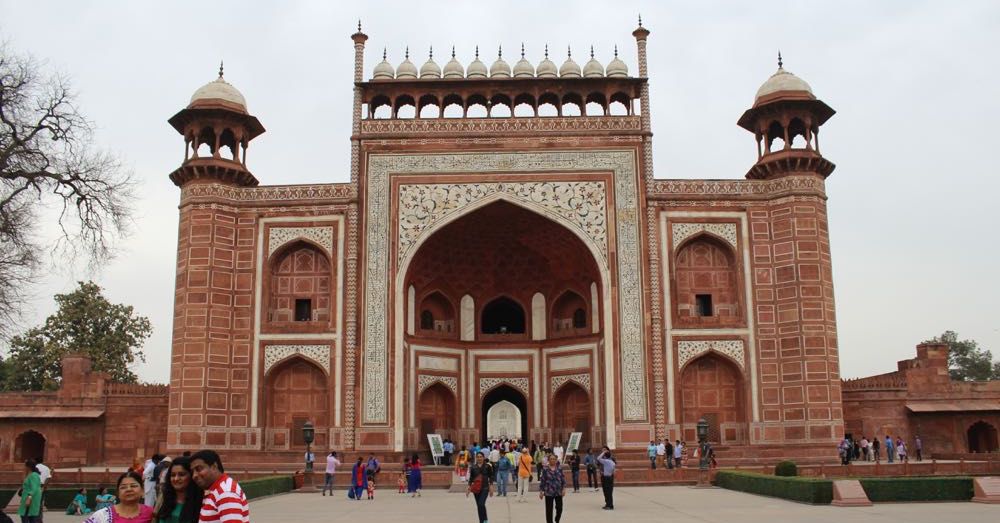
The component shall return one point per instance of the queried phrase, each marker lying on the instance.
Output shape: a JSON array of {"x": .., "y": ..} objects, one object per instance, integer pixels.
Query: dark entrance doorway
[
  {"x": 982, "y": 437},
  {"x": 500, "y": 394}
]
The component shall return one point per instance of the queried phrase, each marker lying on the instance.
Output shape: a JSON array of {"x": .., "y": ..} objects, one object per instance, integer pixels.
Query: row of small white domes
[{"x": 500, "y": 69}]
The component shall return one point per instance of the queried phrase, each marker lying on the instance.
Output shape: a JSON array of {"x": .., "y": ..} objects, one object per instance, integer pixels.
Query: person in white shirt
[
  {"x": 558, "y": 451},
  {"x": 331, "y": 467},
  {"x": 661, "y": 452},
  {"x": 149, "y": 480},
  {"x": 678, "y": 453}
]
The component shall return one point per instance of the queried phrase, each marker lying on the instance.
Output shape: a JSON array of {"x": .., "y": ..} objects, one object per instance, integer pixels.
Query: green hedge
[
  {"x": 268, "y": 486},
  {"x": 806, "y": 490},
  {"x": 931, "y": 488},
  {"x": 55, "y": 498}
]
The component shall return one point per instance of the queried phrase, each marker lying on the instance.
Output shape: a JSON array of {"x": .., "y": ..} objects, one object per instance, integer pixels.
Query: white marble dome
[
  {"x": 593, "y": 68},
  {"x": 219, "y": 89},
  {"x": 523, "y": 68},
  {"x": 430, "y": 69},
  {"x": 569, "y": 68},
  {"x": 406, "y": 69},
  {"x": 616, "y": 67},
  {"x": 476, "y": 69},
  {"x": 453, "y": 69},
  {"x": 384, "y": 70},
  {"x": 782, "y": 80},
  {"x": 547, "y": 68},
  {"x": 500, "y": 68}
]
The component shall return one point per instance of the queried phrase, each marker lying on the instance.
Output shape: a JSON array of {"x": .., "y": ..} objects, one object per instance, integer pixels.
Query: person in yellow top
[
  {"x": 462, "y": 462},
  {"x": 524, "y": 463}
]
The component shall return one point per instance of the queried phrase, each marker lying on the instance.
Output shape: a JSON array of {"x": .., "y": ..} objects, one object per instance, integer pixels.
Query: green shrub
[
  {"x": 806, "y": 490},
  {"x": 268, "y": 486},
  {"x": 786, "y": 468},
  {"x": 931, "y": 488}
]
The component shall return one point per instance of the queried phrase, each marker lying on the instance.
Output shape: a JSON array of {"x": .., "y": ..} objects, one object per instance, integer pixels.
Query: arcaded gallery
[{"x": 503, "y": 263}]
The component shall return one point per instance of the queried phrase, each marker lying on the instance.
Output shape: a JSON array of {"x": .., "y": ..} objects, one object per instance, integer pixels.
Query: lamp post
[
  {"x": 308, "y": 434},
  {"x": 703, "y": 453}
]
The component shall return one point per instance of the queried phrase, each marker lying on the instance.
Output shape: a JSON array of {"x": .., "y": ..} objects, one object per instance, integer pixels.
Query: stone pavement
[{"x": 632, "y": 505}]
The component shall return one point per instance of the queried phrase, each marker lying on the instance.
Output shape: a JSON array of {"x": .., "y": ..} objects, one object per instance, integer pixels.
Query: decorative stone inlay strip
[
  {"x": 582, "y": 379},
  {"x": 280, "y": 236},
  {"x": 320, "y": 354},
  {"x": 688, "y": 350},
  {"x": 486, "y": 384},
  {"x": 425, "y": 380},
  {"x": 621, "y": 163},
  {"x": 501, "y": 125},
  {"x": 318, "y": 192},
  {"x": 683, "y": 231},
  {"x": 582, "y": 203},
  {"x": 660, "y": 188}
]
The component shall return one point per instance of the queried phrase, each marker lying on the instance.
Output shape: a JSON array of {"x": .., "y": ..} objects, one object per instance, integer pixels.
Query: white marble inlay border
[
  {"x": 683, "y": 231},
  {"x": 582, "y": 379},
  {"x": 621, "y": 163},
  {"x": 520, "y": 384},
  {"x": 320, "y": 354},
  {"x": 688, "y": 350},
  {"x": 426, "y": 380},
  {"x": 280, "y": 236}
]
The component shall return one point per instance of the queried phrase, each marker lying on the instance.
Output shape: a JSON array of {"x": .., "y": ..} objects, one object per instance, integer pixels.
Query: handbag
[{"x": 477, "y": 485}]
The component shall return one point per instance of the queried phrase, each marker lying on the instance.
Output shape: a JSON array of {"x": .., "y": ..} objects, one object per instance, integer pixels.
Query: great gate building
[{"x": 503, "y": 263}]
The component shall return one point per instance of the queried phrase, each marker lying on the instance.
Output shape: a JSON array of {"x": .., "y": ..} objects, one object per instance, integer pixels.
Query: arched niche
[
  {"x": 569, "y": 315},
  {"x": 571, "y": 412},
  {"x": 436, "y": 411},
  {"x": 982, "y": 437},
  {"x": 436, "y": 315},
  {"x": 712, "y": 387},
  {"x": 296, "y": 391},
  {"x": 300, "y": 286},
  {"x": 503, "y": 315},
  {"x": 504, "y": 399},
  {"x": 29, "y": 444},
  {"x": 706, "y": 282}
]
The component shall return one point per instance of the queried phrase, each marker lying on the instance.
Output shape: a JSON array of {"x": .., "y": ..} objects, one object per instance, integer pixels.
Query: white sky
[{"x": 915, "y": 84}]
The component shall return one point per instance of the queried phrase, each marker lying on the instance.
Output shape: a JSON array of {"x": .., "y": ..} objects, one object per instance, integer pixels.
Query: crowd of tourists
[
  {"x": 489, "y": 469},
  {"x": 894, "y": 450},
  {"x": 193, "y": 488}
]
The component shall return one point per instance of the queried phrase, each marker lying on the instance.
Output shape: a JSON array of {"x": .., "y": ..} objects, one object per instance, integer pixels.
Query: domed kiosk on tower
[{"x": 217, "y": 130}]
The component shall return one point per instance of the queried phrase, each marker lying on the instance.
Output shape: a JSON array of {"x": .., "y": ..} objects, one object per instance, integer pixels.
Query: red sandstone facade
[
  {"x": 503, "y": 257},
  {"x": 919, "y": 399},
  {"x": 87, "y": 421}
]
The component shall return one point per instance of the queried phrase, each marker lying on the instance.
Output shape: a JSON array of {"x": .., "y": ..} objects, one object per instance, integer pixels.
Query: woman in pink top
[{"x": 129, "y": 508}]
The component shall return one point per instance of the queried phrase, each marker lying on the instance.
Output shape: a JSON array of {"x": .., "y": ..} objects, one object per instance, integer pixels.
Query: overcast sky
[{"x": 913, "y": 223}]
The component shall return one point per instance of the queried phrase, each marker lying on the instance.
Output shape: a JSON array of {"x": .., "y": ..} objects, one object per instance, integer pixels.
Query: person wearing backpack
[{"x": 503, "y": 474}]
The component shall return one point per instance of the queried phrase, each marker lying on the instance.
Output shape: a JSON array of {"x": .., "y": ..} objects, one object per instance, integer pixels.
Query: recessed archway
[
  {"x": 982, "y": 437},
  {"x": 436, "y": 412},
  {"x": 296, "y": 392},
  {"x": 712, "y": 388},
  {"x": 509, "y": 409},
  {"x": 571, "y": 412},
  {"x": 29, "y": 445}
]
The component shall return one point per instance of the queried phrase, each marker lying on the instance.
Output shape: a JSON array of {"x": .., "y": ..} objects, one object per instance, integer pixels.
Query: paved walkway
[{"x": 632, "y": 505}]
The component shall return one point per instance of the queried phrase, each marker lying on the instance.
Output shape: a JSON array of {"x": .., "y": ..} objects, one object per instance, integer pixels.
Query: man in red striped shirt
[{"x": 224, "y": 500}]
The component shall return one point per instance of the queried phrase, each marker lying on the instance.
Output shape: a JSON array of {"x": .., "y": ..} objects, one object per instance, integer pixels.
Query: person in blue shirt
[{"x": 608, "y": 466}]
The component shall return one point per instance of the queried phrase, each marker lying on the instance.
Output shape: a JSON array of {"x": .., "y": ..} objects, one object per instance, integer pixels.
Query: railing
[
  {"x": 890, "y": 381},
  {"x": 135, "y": 389}
]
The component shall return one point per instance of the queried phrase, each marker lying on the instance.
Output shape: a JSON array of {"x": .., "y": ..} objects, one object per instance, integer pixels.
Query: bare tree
[{"x": 48, "y": 159}]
